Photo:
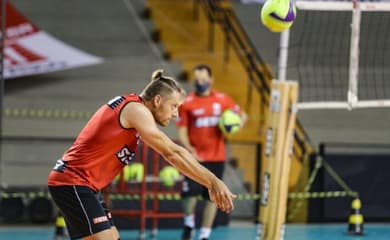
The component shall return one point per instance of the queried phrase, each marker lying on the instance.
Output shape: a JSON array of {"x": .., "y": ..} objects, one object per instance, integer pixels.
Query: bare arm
[
  {"x": 137, "y": 116},
  {"x": 184, "y": 139}
]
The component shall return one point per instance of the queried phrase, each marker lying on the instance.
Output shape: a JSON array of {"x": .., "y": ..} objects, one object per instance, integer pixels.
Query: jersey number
[{"x": 125, "y": 155}]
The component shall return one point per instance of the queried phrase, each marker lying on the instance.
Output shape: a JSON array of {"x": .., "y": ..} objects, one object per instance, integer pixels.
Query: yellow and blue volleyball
[
  {"x": 229, "y": 122},
  {"x": 278, "y": 15}
]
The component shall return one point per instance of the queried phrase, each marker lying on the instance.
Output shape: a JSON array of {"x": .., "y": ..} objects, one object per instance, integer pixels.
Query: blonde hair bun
[{"x": 157, "y": 74}]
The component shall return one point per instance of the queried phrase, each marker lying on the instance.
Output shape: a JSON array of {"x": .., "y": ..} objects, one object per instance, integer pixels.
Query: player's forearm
[
  {"x": 186, "y": 144},
  {"x": 183, "y": 137},
  {"x": 186, "y": 164}
]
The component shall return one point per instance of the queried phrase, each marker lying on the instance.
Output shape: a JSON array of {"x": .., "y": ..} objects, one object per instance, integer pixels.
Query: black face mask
[{"x": 201, "y": 87}]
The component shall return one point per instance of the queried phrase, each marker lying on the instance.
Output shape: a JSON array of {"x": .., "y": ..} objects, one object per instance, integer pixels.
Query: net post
[
  {"x": 283, "y": 55},
  {"x": 354, "y": 56},
  {"x": 277, "y": 159}
]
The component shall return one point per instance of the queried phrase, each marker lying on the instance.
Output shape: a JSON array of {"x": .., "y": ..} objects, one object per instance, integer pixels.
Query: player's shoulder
[
  {"x": 136, "y": 108},
  {"x": 135, "y": 114},
  {"x": 133, "y": 97},
  {"x": 190, "y": 98},
  {"x": 220, "y": 95}
]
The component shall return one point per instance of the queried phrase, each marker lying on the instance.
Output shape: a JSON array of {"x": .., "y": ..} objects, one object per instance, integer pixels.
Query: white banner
[{"x": 29, "y": 51}]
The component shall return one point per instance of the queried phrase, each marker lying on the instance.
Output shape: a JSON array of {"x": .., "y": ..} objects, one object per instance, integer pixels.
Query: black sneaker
[{"x": 187, "y": 233}]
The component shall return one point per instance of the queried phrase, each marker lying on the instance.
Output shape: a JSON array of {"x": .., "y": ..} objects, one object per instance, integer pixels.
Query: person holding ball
[{"x": 200, "y": 134}]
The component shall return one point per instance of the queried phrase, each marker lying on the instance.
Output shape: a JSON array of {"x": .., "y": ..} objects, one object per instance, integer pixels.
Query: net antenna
[
  {"x": 340, "y": 54},
  {"x": 283, "y": 55}
]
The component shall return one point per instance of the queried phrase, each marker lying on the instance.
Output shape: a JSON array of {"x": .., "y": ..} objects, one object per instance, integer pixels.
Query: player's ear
[{"x": 157, "y": 100}]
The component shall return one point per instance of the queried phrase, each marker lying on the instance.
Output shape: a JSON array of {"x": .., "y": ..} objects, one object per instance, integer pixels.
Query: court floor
[{"x": 293, "y": 232}]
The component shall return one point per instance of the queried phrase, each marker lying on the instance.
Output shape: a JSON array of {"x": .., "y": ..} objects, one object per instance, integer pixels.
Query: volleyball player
[
  {"x": 200, "y": 134},
  {"x": 108, "y": 142}
]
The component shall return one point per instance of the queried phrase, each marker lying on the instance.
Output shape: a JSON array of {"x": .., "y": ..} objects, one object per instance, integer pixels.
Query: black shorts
[
  {"x": 84, "y": 210},
  {"x": 191, "y": 188}
]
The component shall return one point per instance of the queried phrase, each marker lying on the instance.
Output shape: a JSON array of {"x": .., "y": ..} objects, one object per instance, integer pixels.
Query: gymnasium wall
[{"x": 106, "y": 29}]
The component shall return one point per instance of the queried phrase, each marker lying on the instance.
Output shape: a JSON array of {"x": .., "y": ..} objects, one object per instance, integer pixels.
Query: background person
[{"x": 199, "y": 133}]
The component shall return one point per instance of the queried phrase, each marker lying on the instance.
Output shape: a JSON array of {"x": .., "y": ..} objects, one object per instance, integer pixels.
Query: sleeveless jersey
[{"x": 100, "y": 151}]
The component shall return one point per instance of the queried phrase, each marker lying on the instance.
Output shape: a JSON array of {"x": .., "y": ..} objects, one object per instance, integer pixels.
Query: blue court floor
[{"x": 293, "y": 232}]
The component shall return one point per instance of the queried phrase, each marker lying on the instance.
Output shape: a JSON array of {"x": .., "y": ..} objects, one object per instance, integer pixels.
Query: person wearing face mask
[{"x": 199, "y": 133}]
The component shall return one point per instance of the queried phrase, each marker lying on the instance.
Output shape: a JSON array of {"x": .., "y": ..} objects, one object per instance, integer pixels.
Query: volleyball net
[{"x": 340, "y": 54}]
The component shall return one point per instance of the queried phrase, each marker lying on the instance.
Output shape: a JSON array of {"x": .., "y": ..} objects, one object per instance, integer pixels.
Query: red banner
[{"x": 29, "y": 51}]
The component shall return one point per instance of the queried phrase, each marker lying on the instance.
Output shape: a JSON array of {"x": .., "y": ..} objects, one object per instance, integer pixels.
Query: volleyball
[
  {"x": 133, "y": 171},
  {"x": 229, "y": 122},
  {"x": 168, "y": 176},
  {"x": 278, "y": 15}
]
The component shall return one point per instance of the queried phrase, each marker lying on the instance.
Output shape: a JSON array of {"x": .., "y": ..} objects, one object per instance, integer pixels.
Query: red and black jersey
[{"x": 100, "y": 151}]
